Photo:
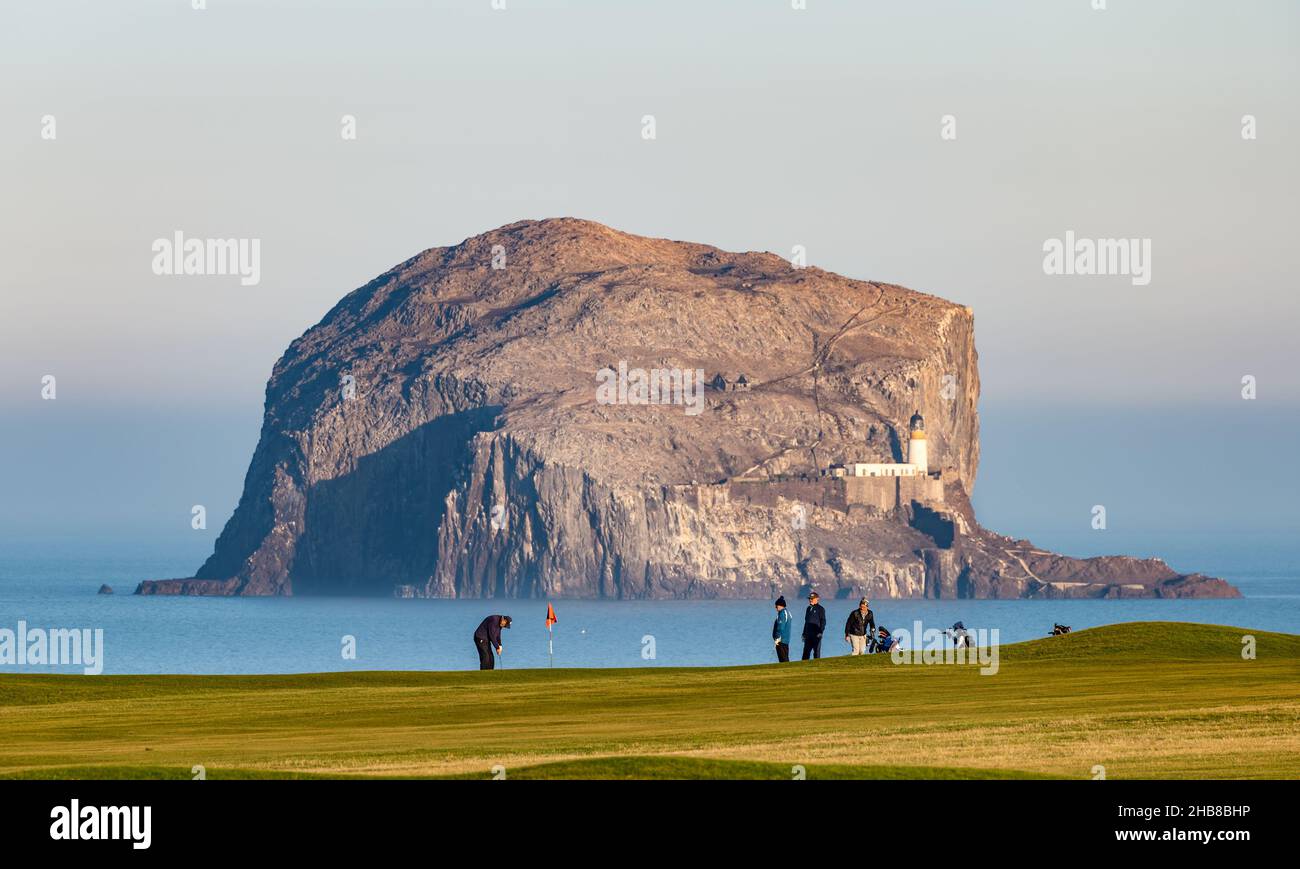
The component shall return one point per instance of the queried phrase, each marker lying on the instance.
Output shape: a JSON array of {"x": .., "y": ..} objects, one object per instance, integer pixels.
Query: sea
[{"x": 49, "y": 586}]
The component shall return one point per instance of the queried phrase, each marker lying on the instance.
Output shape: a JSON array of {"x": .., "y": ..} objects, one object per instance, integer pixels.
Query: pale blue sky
[{"x": 775, "y": 127}]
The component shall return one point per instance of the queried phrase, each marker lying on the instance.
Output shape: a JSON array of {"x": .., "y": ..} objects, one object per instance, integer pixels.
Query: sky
[{"x": 774, "y": 126}]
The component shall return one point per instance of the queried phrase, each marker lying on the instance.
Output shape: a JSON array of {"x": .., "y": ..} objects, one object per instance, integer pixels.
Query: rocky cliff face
[{"x": 442, "y": 428}]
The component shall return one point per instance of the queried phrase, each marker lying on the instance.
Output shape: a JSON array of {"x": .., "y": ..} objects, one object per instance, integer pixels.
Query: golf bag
[{"x": 961, "y": 638}]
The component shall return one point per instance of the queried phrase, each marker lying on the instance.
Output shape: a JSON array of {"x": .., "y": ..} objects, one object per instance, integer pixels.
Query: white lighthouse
[
  {"x": 916, "y": 454},
  {"x": 917, "y": 464}
]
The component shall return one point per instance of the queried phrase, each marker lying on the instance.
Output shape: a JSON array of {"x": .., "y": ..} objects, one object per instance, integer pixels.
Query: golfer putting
[{"x": 487, "y": 639}]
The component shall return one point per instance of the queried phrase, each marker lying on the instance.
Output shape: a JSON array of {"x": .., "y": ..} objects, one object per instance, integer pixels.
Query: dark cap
[
  {"x": 813, "y": 594},
  {"x": 505, "y": 619}
]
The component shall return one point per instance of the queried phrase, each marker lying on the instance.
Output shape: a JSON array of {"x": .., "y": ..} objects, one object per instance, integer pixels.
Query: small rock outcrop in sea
[
  {"x": 471, "y": 424},
  {"x": 106, "y": 589}
]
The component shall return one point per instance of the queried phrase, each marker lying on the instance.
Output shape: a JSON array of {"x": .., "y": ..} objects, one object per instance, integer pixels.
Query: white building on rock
[
  {"x": 916, "y": 448},
  {"x": 917, "y": 464}
]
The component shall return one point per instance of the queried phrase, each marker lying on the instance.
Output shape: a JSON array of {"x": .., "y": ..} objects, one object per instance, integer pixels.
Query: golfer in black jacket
[
  {"x": 814, "y": 625},
  {"x": 860, "y": 628},
  {"x": 487, "y": 639}
]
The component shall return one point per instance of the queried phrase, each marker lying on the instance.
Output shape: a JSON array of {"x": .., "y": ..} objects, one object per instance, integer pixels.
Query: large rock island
[{"x": 559, "y": 409}]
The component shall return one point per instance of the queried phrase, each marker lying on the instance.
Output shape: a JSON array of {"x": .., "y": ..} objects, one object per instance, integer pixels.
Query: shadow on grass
[{"x": 587, "y": 769}]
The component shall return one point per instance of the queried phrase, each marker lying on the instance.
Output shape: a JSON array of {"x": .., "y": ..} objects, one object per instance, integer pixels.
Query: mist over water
[
  {"x": 304, "y": 634},
  {"x": 98, "y": 503}
]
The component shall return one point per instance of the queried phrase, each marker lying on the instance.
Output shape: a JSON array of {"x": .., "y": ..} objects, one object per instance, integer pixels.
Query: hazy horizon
[{"x": 775, "y": 127}]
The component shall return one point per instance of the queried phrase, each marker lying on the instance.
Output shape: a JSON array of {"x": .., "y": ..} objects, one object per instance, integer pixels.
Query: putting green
[{"x": 1139, "y": 700}]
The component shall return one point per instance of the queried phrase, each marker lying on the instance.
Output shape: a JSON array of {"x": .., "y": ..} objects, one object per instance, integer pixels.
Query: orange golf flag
[{"x": 550, "y": 616}]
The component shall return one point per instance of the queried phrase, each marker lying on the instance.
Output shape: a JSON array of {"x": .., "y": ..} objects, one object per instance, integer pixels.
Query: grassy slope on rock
[{"x": 1144, "y": 700}]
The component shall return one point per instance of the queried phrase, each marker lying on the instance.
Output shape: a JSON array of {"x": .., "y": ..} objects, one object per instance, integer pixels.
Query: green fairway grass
[{"x": 1147, "y": 700}]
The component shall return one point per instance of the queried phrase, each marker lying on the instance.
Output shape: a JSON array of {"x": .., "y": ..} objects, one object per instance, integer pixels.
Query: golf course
[{"x": 1141, "y": 700}]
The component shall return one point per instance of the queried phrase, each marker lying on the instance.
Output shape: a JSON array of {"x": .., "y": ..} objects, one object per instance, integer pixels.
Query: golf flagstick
[{"x": 550, "y": 634}]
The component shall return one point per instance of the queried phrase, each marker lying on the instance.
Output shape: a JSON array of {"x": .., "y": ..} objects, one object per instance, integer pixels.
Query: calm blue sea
[{"x": 54, "y": 586}]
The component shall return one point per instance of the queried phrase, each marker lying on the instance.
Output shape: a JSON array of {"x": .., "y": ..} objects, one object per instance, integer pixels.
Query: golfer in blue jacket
[{"x": 781, "y": 630}]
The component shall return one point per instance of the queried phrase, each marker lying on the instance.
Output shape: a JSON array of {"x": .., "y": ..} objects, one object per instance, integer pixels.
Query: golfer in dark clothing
[
  {"x": 860, "y": 628},
  {"x": 814, "y": 625},
  {"x": 487, "y": 639}
]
